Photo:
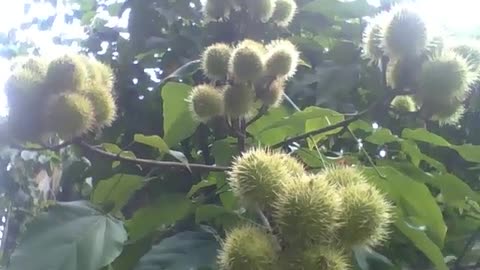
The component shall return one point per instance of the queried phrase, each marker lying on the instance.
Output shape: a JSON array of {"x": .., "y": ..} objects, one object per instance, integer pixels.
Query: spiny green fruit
[
  {"x": 284, "y": 12},
  {"x": 260, "y": 10},
  {"x": 259, "y": 47},
  {"x": 99, "y": 74},
  {"x": 435, "y": 45},
  {"x": 365, "y": 216},
  {"x": 247, "y": 247},
  {"x": 239, "y": 100},
  {"x": 271, "y": 94},
  {"x": 257, "y": 176},
  {"x": 306, "y": 211},
  {"x": 448, "y": 113},
  {"x": 246, "y": 63},
  {"x": 24, "y": 86},
  {"x": 217, "y": 9},
  {"x": 70, "y": 115},
  {"x": 323, "y": 257},
  {"x": 403, "y": 73},
  {"x": 405, "y": 33},
  {"x": 444, "y": 77},
  {"x": 403, "y": 104},
  {"x": 206, "y": 102},
  {"x": 343, "y": 176},
  {"x": 373, "y": 37},
  {"x": 281, "y": 59},
  {"x": 103, "y": 104},
  {"x": 215, "y": 61},
  {"x": 66, "y": 73},
  {"x": 470, "y": 51},
  {"x": 294, "y": 167}
]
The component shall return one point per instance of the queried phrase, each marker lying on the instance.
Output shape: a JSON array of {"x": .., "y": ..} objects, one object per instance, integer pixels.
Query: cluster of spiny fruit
[
  {"x": 439, "y": 71},
  {"x": 316, "y": 218},
  {"x": 279, "y": 12},
  {"x": 67, "y": 96},
  {"x": 248, "y": 72}
]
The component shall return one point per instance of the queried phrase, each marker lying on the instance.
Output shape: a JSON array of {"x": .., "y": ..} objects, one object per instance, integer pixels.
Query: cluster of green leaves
[{"x": 123, "y": 216}]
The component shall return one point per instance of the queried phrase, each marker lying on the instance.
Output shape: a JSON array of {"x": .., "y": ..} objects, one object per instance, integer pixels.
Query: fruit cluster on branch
[
  {"x": 440, "y": 72},
  {"x": 67, "y": 96},
  {"x": 316, "y": 219},
  {"x": 247, "y": 73},
  {"x": 279, "y": 12}
]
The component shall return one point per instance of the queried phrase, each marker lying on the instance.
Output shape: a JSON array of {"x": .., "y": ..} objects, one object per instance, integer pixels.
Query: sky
[{"x": 457, "y": 15}]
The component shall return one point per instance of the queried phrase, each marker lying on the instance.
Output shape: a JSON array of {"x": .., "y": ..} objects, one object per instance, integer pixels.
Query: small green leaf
[
  {"x": 178, "y": 123},
  {"x": 71, "y": 236},
  {"x": 117, "y": 190},
  {"x": 210, "y": 181},
  {"x": 382, "y": 136},
  {"x": 164, "y": 211},
  {"x": 216, "y": 214},
  {"x": 115, "y": 149},
  {"x": 153, "y": 141},
  {"x": 186, "y": 250},
  {"x": 224, "y": 151},
  {"x": 410, "y": 148}
]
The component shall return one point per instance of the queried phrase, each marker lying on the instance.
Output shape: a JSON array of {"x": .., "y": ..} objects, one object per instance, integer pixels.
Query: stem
[
  {"x": 241, "y": 135},
  {"x": 149, "y": 162}
]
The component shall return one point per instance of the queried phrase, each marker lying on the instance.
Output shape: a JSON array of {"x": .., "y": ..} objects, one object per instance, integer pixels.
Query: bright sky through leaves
[{"x": 459, "y": 16}]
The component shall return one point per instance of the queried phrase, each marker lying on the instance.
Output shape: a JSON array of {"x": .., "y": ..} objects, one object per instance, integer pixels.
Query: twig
[
  {"x": 149, "y": 162},
  {"x": 242, "y": 135},
  {"x": 264, "y": 219},
  {"x": 342, "y": 124},
  {"x": 364, "y": 151}
]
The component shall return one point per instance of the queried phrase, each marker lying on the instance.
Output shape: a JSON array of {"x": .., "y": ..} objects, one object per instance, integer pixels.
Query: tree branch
[
  {"x": 43, "y": 147},
  {"x": 149, "y": 162},
  {"x": 343, "y": 124}
]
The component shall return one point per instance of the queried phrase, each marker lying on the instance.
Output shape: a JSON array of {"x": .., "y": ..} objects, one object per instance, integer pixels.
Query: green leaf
[
  {"x": 468, "y": 152},
  {"x": 382, "y": 136},
  {"x": 153, "y": 141},
  {"x": 414, "y": 198},
  {"x": 310, "y": 119},
  {"x": 178, "y": 123},
  {"x": 115, "y": 149},
  {"x": 186, "y": 250},
  {"x": 423, "y": 243},
  {"x": 166, "y": 210},
  {"x": 455, "y": 191},
  {"x": 224, "y": 151},
  {"x": 117, "y": 190},
  {"x": 71, "y": 236},
  {"x": 210, "y": 181},
  {"x": 424, "y": 135},
  {"x": 216, "y": 214},
  {"x": 272, "y": 116},
  {"x": 411, "y": 149}
]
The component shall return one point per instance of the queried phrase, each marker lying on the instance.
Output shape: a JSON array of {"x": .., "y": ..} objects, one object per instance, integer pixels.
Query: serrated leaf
[
  {"x": 220, "y": 216},
  {"x": 178, "y": 123},
  {"x": 166, "y": 210},
  {"x": 153, "y": 141},
  {"x": 70, "y": 236},
  {"x": 186, "y": 250},
  {"x": 117, "y": 190}
]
